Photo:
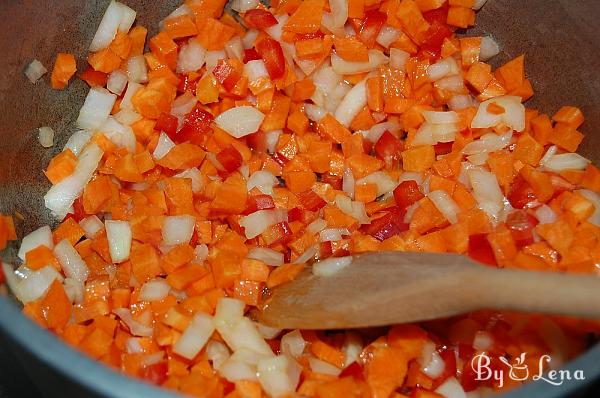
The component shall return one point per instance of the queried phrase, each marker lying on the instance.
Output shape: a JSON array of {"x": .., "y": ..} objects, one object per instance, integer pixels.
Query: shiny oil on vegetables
[{"x": 240, "y": 150}]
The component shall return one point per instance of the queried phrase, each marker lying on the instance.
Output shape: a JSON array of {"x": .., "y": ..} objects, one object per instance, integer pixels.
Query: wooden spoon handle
[{"x": 543, "y": 292}]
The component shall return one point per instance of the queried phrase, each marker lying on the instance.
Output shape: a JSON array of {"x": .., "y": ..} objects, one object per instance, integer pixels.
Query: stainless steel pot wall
[{"x": 559, "y": 38}]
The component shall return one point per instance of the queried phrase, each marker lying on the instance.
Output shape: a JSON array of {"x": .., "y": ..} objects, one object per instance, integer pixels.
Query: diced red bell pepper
[
  {"x": 78, "y": 211},
  {"x": 334, "y": 181},
  {"x": 354, "y": 370},
  {"x": 94, "y": 78},
  {"x": 257, "y": 141},
  {"x": 438, "y": 31},
  {"x": 230, "y": 158},
  {"x": 227, "y": 74},
  {"x": 311, "y": 201},
  {"x": 407, "y": 193},
  {"x": 196, "y": 123},
  {"x": 259, "y": 202},
  {"x": 156, "y": 373},
  {"x": 443, "y": 148},
  {"x": 388, "y": 147},
  {"x": 371, "y": 26},
  {"x": 521, "y": 225},
  {"x": 259, "y": 19},
  {"x": 187, "y": 84},
  {"x": 279, "y": 159},
  {"x": 278, "y": 233},
  {"x": 390, "y": 224},
  {"x": 521, "y": 194},
  {"x": 250, "y": 54},
  {"x": 295, "y": 214},
  {"x": 480, "y": 249},
  {"x": 271, "y": 52},
  {"x": 168, "y": 124},
  {"x": 325, "y": 250}
]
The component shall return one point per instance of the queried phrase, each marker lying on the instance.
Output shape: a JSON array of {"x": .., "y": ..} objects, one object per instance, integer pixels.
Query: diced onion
[
  {"x": 255, "y": 70},
  {"x": 339, "y": 11},
  {"x": 352, "y": 104},
  {"x": 451, "y": 388},
  {"x": 234, "y": 370},
  {"x": 119, "y": 238},
  {"x": 348, "y": 182},
  {"x": 331, "y": 265},
  {"x": 191, "y": 57},
  {"x": 217, "y": 353},
  {"x": 333, "y": 234},
  {"x": 322, "y": 367},
  {"x": 74, "y": 290},
  {"x": 376, "y": 131},
  {"x": 398, "y": 58},
  {"x": 244, "y": 334},
  {"x": 244, "y": 5},
  {"x": 513, "y": 116},
  {"x": 545, "y": 214},
  {"x": 488, "y": 143},
  {"x": 28, "y": 285},
  {"x": 163, "y": 147},
  {"x": 595, "y": 199},
  {"x": 487, "y": 192},
  {"x": 566, "y": 161},
  {"x": 445, "y": 204},
  {"x": 316, "y": 226},
  {"x": 92, "y": 225},
  {"x": 154, "y": 290},
  {"x": 127, "y": 117},
  {"x": 78, "y": 141},
  {"x": 272, "y": 139},
  {"x": 177, "y": 230},
  {"x": 117, "y": 17},
  {"x": 194, "y": 175},
  {"x": 292, "y": 344},
  {"x": 136, "y": 328},
  {"x": 122, "y": 136},
  {"x": 343, "y": 67},
  {"x": 440, "y": 117},
  {"x": 461, "y": 101},
  {"x": 184, "y": 104},
  {"x": 240, "y": 121},
  {"x": 384, "y": 182},
  {"x": 267, "y": 332},
  {"x": 35, "y": 70},
  {"x": 41, "y": 236},
  {"x": 256, "y": 223},
  {"x": 263, "y": 180},
  {"x": 71, "y": 262},
  {"x": 435, "y": 367},
  {"x": 489, "y": 48},
  {"x": 132, "y": 88},
  {"x": 249, "y": 38},
  {"x": 212, "y": 58},
  {"x": 195, "y": 336},
  {"x": 61, "y": 196},
  {"x": 352, "y": 348},
  {"x": 454, "y": 83},
  {"x": 96, "y": 108},
  {"x": 314, "y": 112},
  {"x": 443, "y": 68},
  {"x": 308, "y": 255},
  {"x": 137, "y": 70},
  {"x": 387, "y": 35},
  {"x": 279, "y": 375},
  {"x": 117, "y": 80},
  {"x": 411, "y": 176},
  {"x": 478, "y": 4},
  {"x": 200, "y": 253},
  {"x": 234, "y": 48},
  {"x": 483, "y": 341},
  {"x": 268, "y": 256}
]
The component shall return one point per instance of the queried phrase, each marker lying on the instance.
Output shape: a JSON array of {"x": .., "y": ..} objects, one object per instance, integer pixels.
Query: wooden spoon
[{"x": 395, "y": 287}]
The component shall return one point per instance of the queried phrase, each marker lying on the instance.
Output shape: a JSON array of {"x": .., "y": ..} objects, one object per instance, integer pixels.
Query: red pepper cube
[
  {"x": 407, "y": 193},
  {"x": 167, "y": 124},
  {"x": 259, "y": 19},
  {"x": 230, "y": 158},
  {"x": 371, "y": 26},
  {"x": 271, "y": 52},
  {"x": 388, "y": 147},
  {"x": 311, "y": 201}
]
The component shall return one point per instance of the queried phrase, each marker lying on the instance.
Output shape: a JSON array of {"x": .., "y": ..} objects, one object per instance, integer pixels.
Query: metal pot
[{"x": 563, "y": 59}]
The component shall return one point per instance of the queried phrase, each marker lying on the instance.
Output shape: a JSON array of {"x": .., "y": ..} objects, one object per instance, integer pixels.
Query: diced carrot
[
  {"x": 591, "y": 178},
  {"x": 461, "y": 17},
  {"x": 183, "y": 156},
  {"x": 412, "y": 20},
  {"x": 365, "y": 193},
  {"x": 145, "y": 263},
  {"x": 512, "y": 74},
  {"x": 105, "y": 61},
  {"x": 479, "y": 75},
  {"x": 528, "y": 150},
  {"x": 307, "y": 18},
  {"x": 327, "y": 353},
  {"x": 65, "y": 67},
  {"x": 569, "y": 115},
  {"x": 137, "y": 35},
  {"x": 542, "y": 129},
  {"x": 309, "y": 48},
  {"x": 70, "y": 230},
  {"x": 121, "y": 45},
  {"x": 566, "y": 137},
  {"x": 333, "y": 130},
  {"x": 283, "y": 274},
  {"x": 213, "y": 34},
  {"x": 40, "y": 257},
  {"x": 469, "y": 50},
  {"x": 180, "y": 26},
  {"x": 419, "y": 158},
  {"x": 351, "y": 49},
  {"x": 375, "y": 93},
  {"x": 386, "y": 370},
  {"x": 61, "y": 166},
  {"x": 56, "y": 306}
]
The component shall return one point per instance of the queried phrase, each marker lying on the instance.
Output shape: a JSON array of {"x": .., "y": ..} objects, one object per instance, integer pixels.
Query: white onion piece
[
  {"x": 443, "y": 68},
  {"x": 326, "y": 80},
  {"x": 309, "y": 254},
  {"x": 244, "y": 5},
  {"x": 234, "y": 48},
  {"x": 548, "y": 155},
  {"x": 117, "y": 17},
  {"x": 163, "y": 146},
  {"x": 424, "y": 136},
  {"x": 268, "y": 256},
  {"x": 119, "y": 238},
  {"x": 228, "y": 313},
  {"x": 384, "y": 182},
  {"x": 545, "y": 214},
  {"x": 136, "y": 328},
  {"x": 137, "y": 70},
  {"x": 78, "y": 141},
  {"x": 249, "y": 38},
  {"x": 461, "y": 101},
  {"x": 314, "y": 113},
  {"x": 28, "y": 285},
  {"x": 128, "y": 117},
  {"x": 348, "y": 182},
  {"x": 489, "y": 48},
  {"x": 267, "y": 332},
  {"x": 343, "y": 67},
  {"x": 595, "y": 199},
  {"x": 279, "y": 375},
  {"x": 293, "y": 344},
  {"x": 133, "y": 346},
  {"x": 235, "y": 370},
  {"x": 483, "y": 341},
  {"x": 478, "y": 4},
  {"x": 244, "y": 334},
  {"x": 451, "y": 388},
  {"x": 479, "y": 159},
  {"x": 275, "y": 31},
  {"x": 454, "y": 83},
  {"x": 352, "y": 348},
  {"x": 411, "y": 176},
  {"x": 445, "y": 204},
  {"x": 440, "y": 117},
  {"x": 194, "y": 175},
  {"x": 41, "y": 236},
  {"x": 322, "y": 367},
  {"x": 195, "y": 336},
  {"x": 46, "y": 136},
  {"x": 272, "y": 139},
  {"x": 333, "y": 234},
  {"x": 240, "y": 121},
  {"x": 155, "y": 289},
  {"x": 122, "y": 136},
  {"x": 71, "y": 262},
  {"x": 255, "y": 70},
  {"x": 35, "y": 70},
  {"x": 96, "y": 108},
  {"x": 487, "y": 192},
  {"x": 212, "y": 58},
  {"x": 61, "y": 196},
  {"x": 339, "y": 11},
  {"x": 184, "y": 104},
  {"x": 387, "y": 35},
  {"x": 256, "y": 223},
  {"x": 513, "y": 116},
  {"x": 132, "y": 88},
  {"x": 398, "y": 58},
  {"x": 352, "y": 104},
  {"x": 488, "y": 143},
  {"x": 217, "y": 353},
  {"x": 191, "y": 57},
  {"x": 435, "y": 367},
  {"x": 177, "y": 230},
  {"x": 566, "y": 161},
  {"x": 263, "y": 180},
  {"x": 376, "y": 131},
  {"x": 178, "y": 12},
  {"x": 200, "y": 253},
  {"x": 92, "y": 225},
  {"x": 331, "y": 265},
  {"x": 316, "y": 226},
  {"x": 74, "y": 290},
  {"x": 117, "y": 80}
]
